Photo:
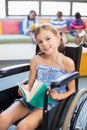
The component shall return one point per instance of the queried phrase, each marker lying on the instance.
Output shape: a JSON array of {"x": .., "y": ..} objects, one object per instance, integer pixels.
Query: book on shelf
[{"x": 35, "y": 97}]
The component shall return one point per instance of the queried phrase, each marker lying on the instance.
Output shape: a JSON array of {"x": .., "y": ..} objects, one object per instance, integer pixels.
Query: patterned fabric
[
  {"x": 48, "y": 74},
  {"x": 58, "y": 24},
  {"x": 75, "y": 25}
]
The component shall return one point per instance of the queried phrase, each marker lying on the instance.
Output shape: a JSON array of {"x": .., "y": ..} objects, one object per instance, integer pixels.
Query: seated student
[
  {"x": 78, "y": 29},
  {"x": 46, "y": 66},
  {"x": 61, "y": 25},
  {"x": 29, "y": 24}
]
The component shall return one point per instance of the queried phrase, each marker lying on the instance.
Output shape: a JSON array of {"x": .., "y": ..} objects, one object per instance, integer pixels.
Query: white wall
[
  {"x": 2, "y": 9},
  {"x": 17, "y": 51}
]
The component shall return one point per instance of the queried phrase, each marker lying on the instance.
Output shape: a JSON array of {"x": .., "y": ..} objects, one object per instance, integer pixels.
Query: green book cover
[{"x": 36, "y": 96}]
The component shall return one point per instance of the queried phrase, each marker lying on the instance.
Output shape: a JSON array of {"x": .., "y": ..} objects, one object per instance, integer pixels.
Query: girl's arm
[
  {"x": 32, "y": 77},
  {"x": 69, "y": 66}
]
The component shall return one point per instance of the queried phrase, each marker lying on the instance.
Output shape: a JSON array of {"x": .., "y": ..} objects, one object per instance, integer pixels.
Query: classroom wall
[{"x": 2, "y": 9}]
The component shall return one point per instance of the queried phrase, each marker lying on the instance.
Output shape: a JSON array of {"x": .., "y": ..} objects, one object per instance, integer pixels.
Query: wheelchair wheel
[{"x": 76, "y": 118}]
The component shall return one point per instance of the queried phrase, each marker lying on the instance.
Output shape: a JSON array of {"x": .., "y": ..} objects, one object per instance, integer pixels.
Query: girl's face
[
  {"x": 47, "y": 41},
  {"x": 32, "y": 16}
]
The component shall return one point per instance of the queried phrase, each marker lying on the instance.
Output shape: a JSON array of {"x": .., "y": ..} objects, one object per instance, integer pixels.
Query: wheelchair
[{"x": 71, "y": 113}]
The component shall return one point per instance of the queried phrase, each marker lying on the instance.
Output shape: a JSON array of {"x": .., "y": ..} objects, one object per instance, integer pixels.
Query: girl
[
  {"x": 29, "y": 24},
  {"x": 47, "y": 66}
]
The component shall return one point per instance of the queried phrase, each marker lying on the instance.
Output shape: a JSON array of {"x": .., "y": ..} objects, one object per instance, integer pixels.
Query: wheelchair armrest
[
  {"x": 65, "y": 79},
  {"x": 14, "y": 69}
]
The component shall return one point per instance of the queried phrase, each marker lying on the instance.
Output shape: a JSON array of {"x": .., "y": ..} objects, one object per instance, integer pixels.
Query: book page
[
  {"x": 24, "y": 91},
  {"x": 29, "y": 94},
  {"x": 35, "y": 88},
  {"x": 82, "y": 33}
]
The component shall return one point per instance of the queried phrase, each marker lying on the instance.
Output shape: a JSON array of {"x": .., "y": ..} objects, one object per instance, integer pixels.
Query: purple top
[{"x": 75, "y": 25}]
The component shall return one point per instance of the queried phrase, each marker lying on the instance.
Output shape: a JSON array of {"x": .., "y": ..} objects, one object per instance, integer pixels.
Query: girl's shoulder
[
  {"x": 67, "y": 60},
  {"x": 37, "y": 58},
  {"x": 68, "y": 63}
]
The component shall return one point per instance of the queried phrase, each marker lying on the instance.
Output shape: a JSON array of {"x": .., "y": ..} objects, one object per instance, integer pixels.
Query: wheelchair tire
[
  {"x": 80, "y": 118},
  {"x": 79, "y": 102}
]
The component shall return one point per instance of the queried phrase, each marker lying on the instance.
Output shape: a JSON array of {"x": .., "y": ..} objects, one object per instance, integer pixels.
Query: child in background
[
  {"x": 78, "y": 29},
  {"x": 29, "y": 25},
  {"x": 46, "y": 66},
  {"x": 60, "y": 24}
]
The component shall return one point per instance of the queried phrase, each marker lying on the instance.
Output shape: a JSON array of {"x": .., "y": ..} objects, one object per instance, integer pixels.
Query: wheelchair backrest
[{"x": 74, "y": 52}]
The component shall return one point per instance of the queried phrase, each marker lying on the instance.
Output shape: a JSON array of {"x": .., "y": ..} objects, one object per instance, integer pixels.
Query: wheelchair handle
[{"x": 14, "y": 69}]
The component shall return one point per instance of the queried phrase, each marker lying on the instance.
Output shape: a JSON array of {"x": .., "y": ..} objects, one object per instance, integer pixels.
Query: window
[
  {"x": 22, "y": 7},
  {"x": 80, "y": 7},
  {"x": 42, "y": 7},
  {"x": 51, "y": 8}
]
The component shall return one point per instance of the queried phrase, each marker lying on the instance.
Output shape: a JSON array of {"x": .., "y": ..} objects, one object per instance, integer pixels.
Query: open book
[
  {"x": 36, "y": 96},
  {"x": 82, "y": 33}
]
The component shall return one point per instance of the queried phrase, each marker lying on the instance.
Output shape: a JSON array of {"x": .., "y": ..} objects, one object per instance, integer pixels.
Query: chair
[{"x": 68, "y": 114}]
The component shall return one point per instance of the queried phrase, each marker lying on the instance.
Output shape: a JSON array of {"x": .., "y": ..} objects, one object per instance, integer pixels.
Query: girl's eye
[
  {"x": 48, "y": 39},
  {"x": 39, "y": 42}
]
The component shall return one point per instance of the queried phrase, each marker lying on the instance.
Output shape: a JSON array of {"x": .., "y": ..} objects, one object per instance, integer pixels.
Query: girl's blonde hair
[
  {"x": 52, "y": 29},
  {"x": 47, "y": 27}
]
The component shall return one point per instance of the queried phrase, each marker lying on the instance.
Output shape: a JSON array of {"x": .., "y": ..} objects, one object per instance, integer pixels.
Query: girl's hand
[
  {"x": 24, "y": 86},
  {"x": 55, "y": 95}
]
